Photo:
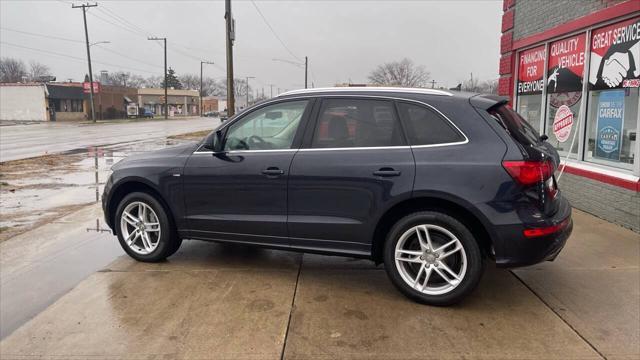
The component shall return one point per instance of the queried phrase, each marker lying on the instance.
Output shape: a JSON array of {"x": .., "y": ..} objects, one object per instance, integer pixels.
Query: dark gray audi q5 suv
[{"x": 429, "y": 182}]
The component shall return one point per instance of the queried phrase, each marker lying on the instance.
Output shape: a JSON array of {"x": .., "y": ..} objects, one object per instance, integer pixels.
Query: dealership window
[
  {"x": 612, "y": 127},
  {"x": 614, "y": 79},
  {"x": 565, "y": 76},
  {"x": 530, "y": 85}
]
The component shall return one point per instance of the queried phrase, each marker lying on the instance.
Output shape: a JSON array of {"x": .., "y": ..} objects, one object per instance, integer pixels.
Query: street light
[
  {"x": 305, "y": 64},
  {"x": 248, "y": 77},
  {"x": 202, "y": 63},
  {"x": 100, "y": 42}
]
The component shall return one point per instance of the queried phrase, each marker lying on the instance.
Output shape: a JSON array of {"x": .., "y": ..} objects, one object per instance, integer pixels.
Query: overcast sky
[{"x": 344, "y": 40}]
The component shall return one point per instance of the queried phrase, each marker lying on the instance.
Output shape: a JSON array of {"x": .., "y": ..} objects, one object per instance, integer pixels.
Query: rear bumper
[{"x": 513, "y": 249}]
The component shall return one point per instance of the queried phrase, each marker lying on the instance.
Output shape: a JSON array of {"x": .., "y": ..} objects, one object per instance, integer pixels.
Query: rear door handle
[
  {"x": 272, "y": 171},
  {"x": 387, "y": 172}
]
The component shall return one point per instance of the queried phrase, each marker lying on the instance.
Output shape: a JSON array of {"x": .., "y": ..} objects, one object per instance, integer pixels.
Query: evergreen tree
[{"x": 172, "y": 80}]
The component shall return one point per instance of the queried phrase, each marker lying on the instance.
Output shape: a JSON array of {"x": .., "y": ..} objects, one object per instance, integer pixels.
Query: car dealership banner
[
  {"x": 615, "y": 56},
  {"x": 531, "y": 71},
  {"x": 566, "y": 64},
  {"x": 609, "y": 127}
]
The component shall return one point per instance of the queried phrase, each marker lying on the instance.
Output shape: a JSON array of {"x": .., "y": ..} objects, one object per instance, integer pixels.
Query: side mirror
[
  {"x": 214, "y": 141},
  {"x": 218, "y": 141},
  {"x": 544, "y": 137}
]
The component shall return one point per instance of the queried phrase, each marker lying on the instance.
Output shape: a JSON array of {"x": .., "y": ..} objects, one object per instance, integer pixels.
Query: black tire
[
  {"x": 474, "y": 258},
  {"x": 169, "y": 241}
]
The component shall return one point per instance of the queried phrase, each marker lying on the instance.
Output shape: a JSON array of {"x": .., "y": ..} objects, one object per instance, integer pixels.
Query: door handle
[
  {"x": 387, "y": 172},
  {"x": 272, "y": 171}
]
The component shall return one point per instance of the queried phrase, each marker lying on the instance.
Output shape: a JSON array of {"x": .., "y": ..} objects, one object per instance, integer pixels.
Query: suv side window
[
  {"x": 272, "y": 127},
  {"x": 426, "y": 127},
  {"x": 346, "y": 123}
]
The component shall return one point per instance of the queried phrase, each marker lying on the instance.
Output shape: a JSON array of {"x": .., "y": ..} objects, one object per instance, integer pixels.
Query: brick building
[{"x": 572, "y": 70}]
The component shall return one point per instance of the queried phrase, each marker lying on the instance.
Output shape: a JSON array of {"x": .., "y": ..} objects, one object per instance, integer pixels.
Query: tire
[
  {"x": 161, "y": 239},
  {"x": 417, "y": 261}
]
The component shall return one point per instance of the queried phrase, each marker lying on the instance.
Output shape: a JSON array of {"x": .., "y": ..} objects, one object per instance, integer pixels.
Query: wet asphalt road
[
  {"x": 36, "y": 139},
  {"x": 223, "y": 301}
]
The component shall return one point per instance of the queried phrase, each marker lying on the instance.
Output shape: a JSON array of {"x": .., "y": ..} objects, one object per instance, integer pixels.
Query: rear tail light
[
  {"x": 529, "y": 172},
  {"x": 543, "y": 231}
]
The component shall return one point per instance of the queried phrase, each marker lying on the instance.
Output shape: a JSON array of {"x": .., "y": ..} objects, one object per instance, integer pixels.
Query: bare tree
[
  {"x": 489, "y": 87},
  {"x": 190, "y": 81},
  {"x": 400, "y": 73},
  {"x": 38, "y": 70},
  {"x": 154, "y": 81},
  {"x": 12, "y": 70}
]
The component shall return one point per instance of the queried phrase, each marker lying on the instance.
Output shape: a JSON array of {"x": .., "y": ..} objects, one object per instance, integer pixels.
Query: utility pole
[
  {"x": 231, "y": 106},
  {"x": 86, "y": 36},
  {"x": 248, "y": 77},
  {"x": 201, "y": 63},
  {"x": 166, "y": 97},
  {"x": 271, "y": 85},
  {"x": 306, "y": 67},
  {"x": 433, "y": 84}
]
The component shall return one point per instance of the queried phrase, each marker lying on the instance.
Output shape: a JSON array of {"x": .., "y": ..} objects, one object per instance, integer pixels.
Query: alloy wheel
[
  {"x": 430, "y": 259},
  {"x": 140, "y": 228}
]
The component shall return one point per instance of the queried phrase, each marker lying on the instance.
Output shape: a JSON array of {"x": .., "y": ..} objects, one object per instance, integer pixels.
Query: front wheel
[
  {"x": 433, "y": 258},
  {"x": 145, "y": 231}
]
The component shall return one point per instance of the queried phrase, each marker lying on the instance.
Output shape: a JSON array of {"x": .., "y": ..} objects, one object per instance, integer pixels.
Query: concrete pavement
[
  {"x": 25, "y": 141},
  {"x": 222, "y": 301}
]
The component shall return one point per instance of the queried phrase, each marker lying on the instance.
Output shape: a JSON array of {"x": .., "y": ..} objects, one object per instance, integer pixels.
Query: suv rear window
[
  {"x": 515, "y": 125},
  {"x": 425, "y": 127}
]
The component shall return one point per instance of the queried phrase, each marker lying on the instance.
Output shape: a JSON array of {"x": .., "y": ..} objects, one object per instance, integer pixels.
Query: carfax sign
[{"x": 609, "y": 127}]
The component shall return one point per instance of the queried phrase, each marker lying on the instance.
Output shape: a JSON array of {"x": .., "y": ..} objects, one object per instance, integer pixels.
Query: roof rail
[{"x": 369, "y": 89}]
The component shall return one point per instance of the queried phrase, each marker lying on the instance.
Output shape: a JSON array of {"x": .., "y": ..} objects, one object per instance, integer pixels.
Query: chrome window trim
[
  {"x": 377, "y": 97},
  {"x": 244, "y": 151}
]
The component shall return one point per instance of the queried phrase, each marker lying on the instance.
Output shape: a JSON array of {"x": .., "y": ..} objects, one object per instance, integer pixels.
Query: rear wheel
[
  {"x": 145, "y": 230},
  {"x": 433, "y": 258}
]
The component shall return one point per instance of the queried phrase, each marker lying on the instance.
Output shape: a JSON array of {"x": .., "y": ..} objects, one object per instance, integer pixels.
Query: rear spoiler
[{"x": 487, "y": 102}]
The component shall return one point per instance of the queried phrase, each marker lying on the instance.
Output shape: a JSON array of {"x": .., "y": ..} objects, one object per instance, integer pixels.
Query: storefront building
[
  {"x": 179, "y": 102},
  {"x": 572, "y": 70}
]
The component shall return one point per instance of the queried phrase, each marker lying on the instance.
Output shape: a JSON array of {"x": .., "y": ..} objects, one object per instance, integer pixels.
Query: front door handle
[
  {"x": 272, "y": 171},
  {"x": 386, "y": 172}
]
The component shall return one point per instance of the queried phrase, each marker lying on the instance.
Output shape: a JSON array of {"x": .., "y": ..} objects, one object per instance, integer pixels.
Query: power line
[
  {"x": 74, "y": 57},
  {"x": 128, "y": 57},
  {"x": 79, "y": 41},
  {"x": 43, "y": 35},
  {"x": 273, "y": 31}
]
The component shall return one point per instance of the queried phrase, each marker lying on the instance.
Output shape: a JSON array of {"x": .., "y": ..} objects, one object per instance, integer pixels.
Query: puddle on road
[{"x": 38, "y": 190}]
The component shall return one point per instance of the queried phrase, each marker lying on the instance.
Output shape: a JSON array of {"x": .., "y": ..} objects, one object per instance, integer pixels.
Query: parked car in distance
[
  {"x": 146, "y": 113},
  {"x": 431, "y": 183},
  {"x": 223, "y": 115},
  {"x": 210, "y": 114}
]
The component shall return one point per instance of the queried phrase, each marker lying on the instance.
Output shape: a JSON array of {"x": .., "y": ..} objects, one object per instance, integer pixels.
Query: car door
[
  {"x": 240, "y": 192},
  {"x": 354, "y": 165}
]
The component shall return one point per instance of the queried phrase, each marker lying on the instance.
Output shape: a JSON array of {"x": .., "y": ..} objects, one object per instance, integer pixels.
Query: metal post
[
  {"x": 86, "y": 36},
  {"x": 201, "y": 63},
  {"x": 231, "y": 106},
  {"x": 166, "y": 98},
  {"x": 247, "y": 84},
  {"x": 306, "y": 66},
  {"x": 271, "y": 85}
]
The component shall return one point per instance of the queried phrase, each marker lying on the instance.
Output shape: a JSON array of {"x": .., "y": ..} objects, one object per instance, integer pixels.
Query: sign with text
[
  {"x": 530, "y": 71},
  {"x": 566, "y": 64},
  {"x": 609, "y": 126},
  {"x": 87, "y": 89},
  {"x": 615, "y": 56}
]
